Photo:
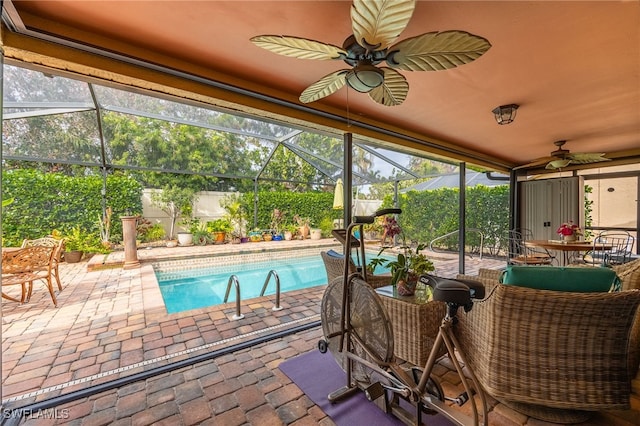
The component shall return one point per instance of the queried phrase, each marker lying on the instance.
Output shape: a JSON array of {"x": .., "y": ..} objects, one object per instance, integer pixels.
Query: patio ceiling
[{"x": 573, "y": 67}]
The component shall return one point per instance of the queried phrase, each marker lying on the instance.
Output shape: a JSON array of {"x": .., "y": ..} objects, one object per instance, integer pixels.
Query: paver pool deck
[{"x": 111, "y": 323}]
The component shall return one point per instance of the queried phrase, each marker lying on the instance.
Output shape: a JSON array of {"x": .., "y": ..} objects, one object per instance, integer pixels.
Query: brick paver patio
[{"x": 111, "y": 323}]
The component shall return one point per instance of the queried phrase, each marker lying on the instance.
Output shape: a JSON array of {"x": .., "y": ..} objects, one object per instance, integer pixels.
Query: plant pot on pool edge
[{"x": 73, "y": 256}]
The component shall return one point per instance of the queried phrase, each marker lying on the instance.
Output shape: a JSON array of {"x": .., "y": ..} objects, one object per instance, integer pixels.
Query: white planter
[
  {"x": 185, "y": 238},
  {"x": 316, "y": 234}
]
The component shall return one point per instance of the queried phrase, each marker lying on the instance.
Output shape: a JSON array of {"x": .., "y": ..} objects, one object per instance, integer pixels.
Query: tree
[{"x": 175, "y": 202}]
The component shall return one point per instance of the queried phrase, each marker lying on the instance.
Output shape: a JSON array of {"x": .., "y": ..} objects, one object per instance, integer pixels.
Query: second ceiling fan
[
  {"x": 561, "y": 158},
  {"x": 376, "y": 25}
]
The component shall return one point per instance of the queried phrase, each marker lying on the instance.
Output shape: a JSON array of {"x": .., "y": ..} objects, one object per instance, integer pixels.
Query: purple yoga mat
[{"x": 318, "y": 375}]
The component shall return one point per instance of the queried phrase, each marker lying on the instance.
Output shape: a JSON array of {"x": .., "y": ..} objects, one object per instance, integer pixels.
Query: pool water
[{"x": 202, "y": 287}]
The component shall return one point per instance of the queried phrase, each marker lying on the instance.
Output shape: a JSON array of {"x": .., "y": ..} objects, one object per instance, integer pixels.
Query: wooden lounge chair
[
  {"x": 26, "y": 265},
  {"x": 49, "y": 242}
]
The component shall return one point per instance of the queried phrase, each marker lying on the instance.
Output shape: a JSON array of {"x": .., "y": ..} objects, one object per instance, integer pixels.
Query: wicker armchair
[
  {"x": 629, "y": 274},
  {"x": 553, "y": 355},
  {"x": 334, "y": 265}
]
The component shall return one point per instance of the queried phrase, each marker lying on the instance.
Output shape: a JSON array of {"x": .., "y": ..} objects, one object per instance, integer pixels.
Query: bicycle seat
[{"x": 459, "y": 292}]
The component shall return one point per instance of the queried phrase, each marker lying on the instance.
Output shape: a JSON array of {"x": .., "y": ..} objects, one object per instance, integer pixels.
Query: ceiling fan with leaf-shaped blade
[
  {"x": 376, "y": 26},
  {"x": 561, "y": 158}
]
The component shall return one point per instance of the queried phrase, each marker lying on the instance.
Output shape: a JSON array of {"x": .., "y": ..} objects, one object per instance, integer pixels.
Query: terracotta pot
[
  {"x": 219, "y": 236},
  {"x": 73, "y": 256},
  {"x": 406, "y": 288},
  {"x": 304, "y": 232}
]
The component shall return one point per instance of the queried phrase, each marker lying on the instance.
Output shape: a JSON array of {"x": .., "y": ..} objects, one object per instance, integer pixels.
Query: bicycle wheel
[{"x": 370, "y": 327}]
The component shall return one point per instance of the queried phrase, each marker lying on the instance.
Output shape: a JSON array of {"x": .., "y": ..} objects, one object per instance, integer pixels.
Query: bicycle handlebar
[
  {"x": 383, "y": 212},
  {"x": 370, "y": 219}
]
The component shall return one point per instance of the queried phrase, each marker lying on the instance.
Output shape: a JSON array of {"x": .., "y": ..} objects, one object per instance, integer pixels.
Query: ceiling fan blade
[
  {"x": 393, "y": 91},
  {"x": 437, "y": 51},
  {"x": 297, "y": 47},
  {"x": 587, "y": 157},
  {"x": 535, "y": 163},
  {"x": 324, "y": 87},
  {"x": 560, "y": 163},
  {"x": 377, "y": 24}
]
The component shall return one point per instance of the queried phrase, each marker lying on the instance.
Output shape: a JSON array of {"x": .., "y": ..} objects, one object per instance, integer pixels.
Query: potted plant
[
  {"x": 408, "y": 267},
  {"x": 235, "y": 237},
  {"x": 199, "y": 232},
  {"x": 219, "y": 229},
  {"x": 235, "y": 214},
  {"x": 104, "y": 225},
  {"x": 569, "y": 231},
  {"x": 277, "y": 220},
  {"x": 303, "y": 225},
  {"x": 75, "y": 245},
  {"x": 149, "y": 232},
  {"x": 315, "y": 233},
  {"x": 185, "y": 236},
  {"x": 176, "y": 202},
  {"x": 255, "y": 235},
  {"x": 409, "y": 263},
  {"x": 290, "y": 231}
]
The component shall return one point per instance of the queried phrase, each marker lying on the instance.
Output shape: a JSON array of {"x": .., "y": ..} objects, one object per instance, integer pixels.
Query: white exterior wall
[{"x": 206, "y": 208}]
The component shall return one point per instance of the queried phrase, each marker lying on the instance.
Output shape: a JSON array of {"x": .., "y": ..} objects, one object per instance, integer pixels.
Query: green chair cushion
[{"x": 579, "y": 280}]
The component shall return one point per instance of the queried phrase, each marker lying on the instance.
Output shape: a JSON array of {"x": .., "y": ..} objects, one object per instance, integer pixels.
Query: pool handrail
[
  {"x": 273, "y": 273},
  {"x": 234, "y": 279}
]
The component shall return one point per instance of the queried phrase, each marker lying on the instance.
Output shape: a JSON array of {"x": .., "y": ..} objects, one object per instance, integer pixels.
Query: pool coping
[{"x": 115, "y": 259}]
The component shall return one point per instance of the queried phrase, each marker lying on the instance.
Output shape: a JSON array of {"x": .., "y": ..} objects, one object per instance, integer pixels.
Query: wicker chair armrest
[
  {"x": 491, "y": 274},
  {"x": 555, "y": 349},
  {"x": 377, "y": 281},
  {"x": 629, "y": 273},
  {"x": 489, "y": 283}
]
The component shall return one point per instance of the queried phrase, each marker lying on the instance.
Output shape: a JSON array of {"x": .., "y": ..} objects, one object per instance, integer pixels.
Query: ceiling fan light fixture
[
  {"x": 558, "y": 164},
  {"x": 505, "y": 114},
  {"x": 365, "y": 77}
]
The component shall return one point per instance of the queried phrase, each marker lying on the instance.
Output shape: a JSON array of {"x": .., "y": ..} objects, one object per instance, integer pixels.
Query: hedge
[
  {"x": 427, "y": 215},
  {"x": 47, "y": 201},
  {"x": 318, "y": 206},
  {"x": 44, "y": 202}
]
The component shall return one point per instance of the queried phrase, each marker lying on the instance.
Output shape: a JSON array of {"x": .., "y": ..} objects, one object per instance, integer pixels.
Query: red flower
[
  {"x": 569, "y": 228},
  {"x": 391, "y": 227}
]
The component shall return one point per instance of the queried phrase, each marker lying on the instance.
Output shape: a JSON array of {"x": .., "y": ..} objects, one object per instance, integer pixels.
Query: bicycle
[{"x": 358, "y": 333}]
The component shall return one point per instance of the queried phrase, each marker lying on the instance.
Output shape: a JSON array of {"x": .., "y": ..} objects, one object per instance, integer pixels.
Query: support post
[
  {"x": 462, "y": 217},
  {"x": 347, "y": 173},
  {"x": 129, "y": 240}
]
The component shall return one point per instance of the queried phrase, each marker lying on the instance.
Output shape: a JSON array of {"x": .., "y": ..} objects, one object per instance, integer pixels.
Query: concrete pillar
[{"x": 129, "y": 240}]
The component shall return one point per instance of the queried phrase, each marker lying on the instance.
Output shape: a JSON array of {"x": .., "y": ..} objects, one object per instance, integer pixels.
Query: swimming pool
[{"x": 194, "y": 288}]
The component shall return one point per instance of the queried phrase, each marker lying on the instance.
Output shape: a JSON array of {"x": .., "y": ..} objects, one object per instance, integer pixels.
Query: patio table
[
  {"x": 415, "y": 321},
  {"x": 566, "y": 247}
]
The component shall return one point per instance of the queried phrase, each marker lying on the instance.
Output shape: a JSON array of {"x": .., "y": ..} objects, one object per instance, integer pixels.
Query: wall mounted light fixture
[{"x": 505, "y": 114}]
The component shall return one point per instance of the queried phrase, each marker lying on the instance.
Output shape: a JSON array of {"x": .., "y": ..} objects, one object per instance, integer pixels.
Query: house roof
[{"x": 451, "y": 180}]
